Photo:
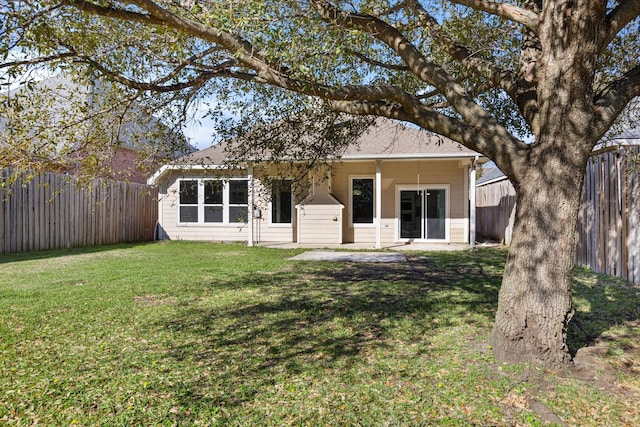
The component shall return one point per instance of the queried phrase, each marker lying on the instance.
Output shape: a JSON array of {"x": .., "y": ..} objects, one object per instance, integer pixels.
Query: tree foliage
[
  {"x": 392, "y": 58},
  {"x": 489, "y": 74}
]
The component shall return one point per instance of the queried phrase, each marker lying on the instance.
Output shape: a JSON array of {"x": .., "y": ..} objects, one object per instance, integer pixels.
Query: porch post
[
  {"x": 250, "y": 238},
  {"x": 378, "y": 204},
  {"x": 472, "y": 203}
]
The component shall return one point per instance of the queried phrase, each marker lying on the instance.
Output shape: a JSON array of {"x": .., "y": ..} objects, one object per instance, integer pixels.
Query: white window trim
[
  {"x": 361, "y": 225},
  {"x": 293, "y": 204},
  {"x": 424, "y": 187},
  {"x": 204, "y": 205},
  {"x": 179, "y": 204},
  {"x": 225, "y": 203}
]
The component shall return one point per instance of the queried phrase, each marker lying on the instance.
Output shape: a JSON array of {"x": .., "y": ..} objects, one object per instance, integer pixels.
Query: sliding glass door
[{"x": 423, "y": 214}]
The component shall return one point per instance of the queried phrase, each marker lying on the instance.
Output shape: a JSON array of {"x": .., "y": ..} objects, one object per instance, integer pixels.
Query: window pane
[
  {"x": 189, "y": 192},
  {"x": 213, "y": 214},
  {"x": 238, "y": 193},
  {"x": 213, "y": 192},
  {"x": 237, "y": 214},
  {"x": 281, "y": 202},
  {"x": 362, "y": 203},
  {"x": 188, "y": 214},
  {"x": 436, "y": 214}
]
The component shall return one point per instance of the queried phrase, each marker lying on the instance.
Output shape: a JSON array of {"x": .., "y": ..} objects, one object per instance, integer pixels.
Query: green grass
[{"x": 180, "y": 333}]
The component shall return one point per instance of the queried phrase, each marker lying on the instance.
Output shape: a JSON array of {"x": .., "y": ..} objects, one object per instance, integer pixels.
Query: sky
[{"x": 200, "y": 135}]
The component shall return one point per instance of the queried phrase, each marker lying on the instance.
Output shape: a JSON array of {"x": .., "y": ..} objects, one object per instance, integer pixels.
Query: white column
[
  {"x": 472, "y": 203},
  {"x": 250, "y": 219},
  {"x": 378, "y": 204}
]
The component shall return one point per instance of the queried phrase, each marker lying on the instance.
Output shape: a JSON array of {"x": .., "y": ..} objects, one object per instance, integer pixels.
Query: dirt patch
[{"x": 153, "y": 299}]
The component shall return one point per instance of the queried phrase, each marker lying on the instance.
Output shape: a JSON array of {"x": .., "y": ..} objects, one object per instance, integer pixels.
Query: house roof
[
  {"x": 489, "y": 176},
  {"x": 136, "y": 129},
  {"x": 390, "y": 139},
  {"x": 387, "y": 139},
  {"x": 626, "y": 138}
]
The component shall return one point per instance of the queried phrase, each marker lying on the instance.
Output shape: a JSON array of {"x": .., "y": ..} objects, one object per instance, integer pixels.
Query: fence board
[
  {"x": 52, "y": 211},
  {"x": 608, "y": 229}
]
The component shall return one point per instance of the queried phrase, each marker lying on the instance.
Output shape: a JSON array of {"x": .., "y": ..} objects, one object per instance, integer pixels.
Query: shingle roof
[
  {"x": 490, "y": 175},
  {"x": 386, "y": 139},
  {"x": 391, "y": 139}
]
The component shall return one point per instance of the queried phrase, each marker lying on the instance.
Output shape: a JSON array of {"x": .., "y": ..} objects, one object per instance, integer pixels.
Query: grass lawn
[{"x": 180, "y": 333}]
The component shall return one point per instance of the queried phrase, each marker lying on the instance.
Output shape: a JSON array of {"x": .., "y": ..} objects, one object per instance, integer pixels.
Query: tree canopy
[
  {"x": 460, "y": 68},
  {"x": 532, "y": 84}
]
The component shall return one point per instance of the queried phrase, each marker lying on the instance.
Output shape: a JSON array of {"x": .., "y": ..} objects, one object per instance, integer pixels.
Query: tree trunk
[{"x": 534, "y": 304}]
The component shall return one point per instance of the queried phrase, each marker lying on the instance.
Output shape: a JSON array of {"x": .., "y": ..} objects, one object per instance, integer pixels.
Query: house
[
  {"x": 394, "y": 185},
  {"x": 75, "y": 125}
]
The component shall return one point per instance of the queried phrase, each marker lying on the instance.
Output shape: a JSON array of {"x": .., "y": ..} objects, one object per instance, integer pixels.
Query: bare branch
[
  {"x": 157, "y": 85},
  {"x": 618, "y": 18},
  {"x": 511, "y": 12}
]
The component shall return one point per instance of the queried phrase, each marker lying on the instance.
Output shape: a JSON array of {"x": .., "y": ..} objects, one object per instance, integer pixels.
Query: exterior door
[
  {"x": 423, "y": 214},
  {"x": 410, "y": 214}
]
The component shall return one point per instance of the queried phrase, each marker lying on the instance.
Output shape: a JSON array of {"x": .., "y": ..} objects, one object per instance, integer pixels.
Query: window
[
  {"x": 281, "y": 202},
  {"x": 189, "y": 201},
  {"x": 213, "y": 206},
  {"x": 362, "y": 200},
  {"x": 213, "y": 201},
  {"x": 238, "y": 200}
]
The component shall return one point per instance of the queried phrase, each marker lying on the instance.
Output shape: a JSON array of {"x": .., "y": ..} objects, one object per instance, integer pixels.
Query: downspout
[
  {"x": 378, "y": 199},
  {"x": 472, "y": 203},
  {"x": 250, "y": 219}
]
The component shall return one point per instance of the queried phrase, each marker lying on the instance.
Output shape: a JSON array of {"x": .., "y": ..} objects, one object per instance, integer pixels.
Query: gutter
[{"x": 165, "y": 169}]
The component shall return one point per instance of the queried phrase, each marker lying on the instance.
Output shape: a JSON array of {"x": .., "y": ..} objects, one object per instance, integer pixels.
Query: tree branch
[
  {"x": 474, "y": 115},
  {"x": 41, "y": 60},
  {"x": 249, "y": 57},
  {"x": 453, "y": 128},
  {"x": 112, "y": 12},
  {"x": 375, "y": 63},
  {"x": 500, "y": 77},
  {"x": 513, "y": 13},
  {"x": 611, "y": 101},
  {"x": 625, "y": 12},
  {"x": 157, "y": 86}
]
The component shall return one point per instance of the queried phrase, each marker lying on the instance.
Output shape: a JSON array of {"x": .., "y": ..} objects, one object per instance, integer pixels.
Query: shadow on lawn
[
  {"x": 56, "y": 253},
  {"x": 607, "y": 310},
  {"x": 318, "y": 318}
]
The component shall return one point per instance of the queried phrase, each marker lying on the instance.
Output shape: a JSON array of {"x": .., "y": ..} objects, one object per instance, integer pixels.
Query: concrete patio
[
  {"x": 370, "y": 247},
  {"x": 359, "y": 252}
]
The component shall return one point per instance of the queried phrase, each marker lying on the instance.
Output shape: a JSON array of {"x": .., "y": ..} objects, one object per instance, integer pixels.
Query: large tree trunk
[{"x": 534, "y": 306}]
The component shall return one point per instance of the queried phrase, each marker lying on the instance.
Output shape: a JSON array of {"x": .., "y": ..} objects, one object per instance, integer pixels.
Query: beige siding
[
  {"x": 323, "y": 221},
  {"x": 320, "y": 224},
  {"x": 458, "y": 231},
  {"x": 264, "y": 229},
  {"x": 174, "y": 231},
  {"x": 396, "y": 173},
  {"x": 364, "y": 234}
]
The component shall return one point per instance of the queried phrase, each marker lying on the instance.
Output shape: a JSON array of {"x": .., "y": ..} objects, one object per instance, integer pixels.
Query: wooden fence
[
  {"x": 53, "y": 211},
  {"x": 608, "y": 230},
  {"x": 495, "y": 211}
]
